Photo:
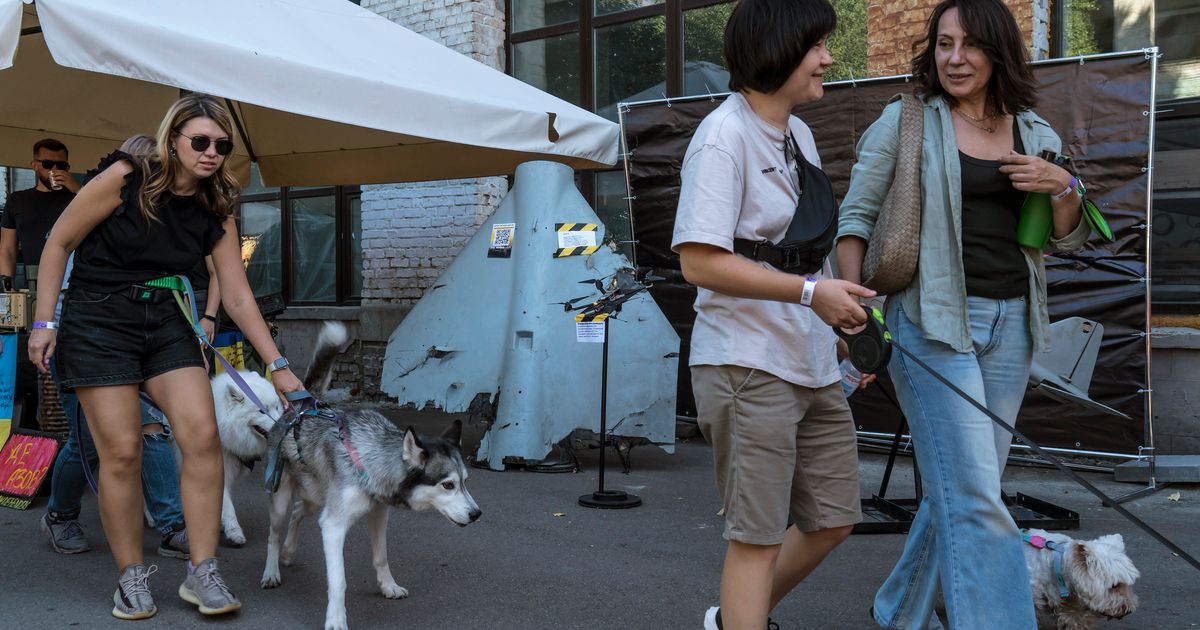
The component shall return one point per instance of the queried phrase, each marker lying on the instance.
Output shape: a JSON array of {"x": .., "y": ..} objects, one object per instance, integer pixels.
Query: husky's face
[{"x": 441, "y": 480}]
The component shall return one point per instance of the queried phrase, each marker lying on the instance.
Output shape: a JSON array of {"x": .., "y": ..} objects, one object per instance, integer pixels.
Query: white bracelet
[
  {"x": 806, "y": 296},
  {"x": 1070, "y": 189}
]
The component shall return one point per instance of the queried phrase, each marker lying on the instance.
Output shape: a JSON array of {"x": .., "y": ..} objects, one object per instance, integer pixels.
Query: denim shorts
[{"x": 114, "y": 339}]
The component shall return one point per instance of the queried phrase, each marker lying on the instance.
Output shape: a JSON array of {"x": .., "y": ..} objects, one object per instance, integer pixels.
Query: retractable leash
[{"x": 870, "y": 349}]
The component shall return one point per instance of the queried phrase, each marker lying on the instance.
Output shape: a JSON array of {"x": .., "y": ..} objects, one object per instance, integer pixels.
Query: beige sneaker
[
  {"x": 205, "y": 588},
  {"x": 132, "y": 598}
]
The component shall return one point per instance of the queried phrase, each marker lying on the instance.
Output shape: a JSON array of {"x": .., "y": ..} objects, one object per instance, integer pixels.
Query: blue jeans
[
  {"x": 963, "y": 538},
  {"x": 160, "y": 477}
]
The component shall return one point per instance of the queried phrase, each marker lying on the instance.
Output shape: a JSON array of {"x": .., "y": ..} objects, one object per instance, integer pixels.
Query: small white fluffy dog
[
  {"x": 243, "y": 430},
  {"x": 1096, "y": 576}
]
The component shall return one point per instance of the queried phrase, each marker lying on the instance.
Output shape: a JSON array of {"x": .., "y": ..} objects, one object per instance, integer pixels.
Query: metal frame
[{"x": 1144, "y": 452}]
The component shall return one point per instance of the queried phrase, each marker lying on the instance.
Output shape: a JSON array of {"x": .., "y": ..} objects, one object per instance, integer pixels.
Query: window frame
[{"x": 343, "y": 254}]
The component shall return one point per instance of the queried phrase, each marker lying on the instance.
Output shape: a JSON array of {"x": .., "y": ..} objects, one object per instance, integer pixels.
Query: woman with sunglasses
[{"x": 131, "y": 225}]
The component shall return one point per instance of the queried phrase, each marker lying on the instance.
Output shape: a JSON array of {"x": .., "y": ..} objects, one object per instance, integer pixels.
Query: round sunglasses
[{"x": 200, "y": 144}]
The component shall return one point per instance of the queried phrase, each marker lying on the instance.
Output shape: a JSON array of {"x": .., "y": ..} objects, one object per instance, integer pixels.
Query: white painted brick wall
[{"x": 411, "y": 232}]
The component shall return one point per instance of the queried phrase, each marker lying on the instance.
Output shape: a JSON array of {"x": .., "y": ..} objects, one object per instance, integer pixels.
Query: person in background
[
  {"x": 763, "y": 360},
  {"x": 134, "y": 229},
  {"x": 975, "y": 311},
  {"x": 30, "y": 213}
]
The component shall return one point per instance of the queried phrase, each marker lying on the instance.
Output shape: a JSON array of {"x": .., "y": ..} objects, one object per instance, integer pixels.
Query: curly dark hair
[{"x": 993, "y": 28}]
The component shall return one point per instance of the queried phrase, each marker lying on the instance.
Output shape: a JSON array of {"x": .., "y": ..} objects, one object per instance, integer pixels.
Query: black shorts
[{"x": 113, "y": 339}]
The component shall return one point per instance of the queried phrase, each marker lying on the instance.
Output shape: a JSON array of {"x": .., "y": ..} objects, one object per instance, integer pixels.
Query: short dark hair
[
  {"x": 49, "y": 144},
  {"x": 765, "y": 40},
  {"x": 1012, "y": 88}
]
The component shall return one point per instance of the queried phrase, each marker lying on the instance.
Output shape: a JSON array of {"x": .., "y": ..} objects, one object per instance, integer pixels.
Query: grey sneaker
[
  {"x": 132, "y": 599},
  {"x": 65, "y": 536},
  {"x": 205, "y": 588},
  {"x": 175, "y": 545}
]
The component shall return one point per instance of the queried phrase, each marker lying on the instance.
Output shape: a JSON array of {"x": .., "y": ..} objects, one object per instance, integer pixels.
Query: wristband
[
  {"x": 46, "y": 325},
  {"x": 806, "y": 296},
  {"x": 210, "y": 318},
  {"x": 1071, "y": 187}
]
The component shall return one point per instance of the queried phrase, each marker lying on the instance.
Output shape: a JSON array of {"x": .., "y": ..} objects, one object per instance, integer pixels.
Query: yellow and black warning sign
[
  {"x": 575, "y": 239},
  {"x": 594, "y": 317}
]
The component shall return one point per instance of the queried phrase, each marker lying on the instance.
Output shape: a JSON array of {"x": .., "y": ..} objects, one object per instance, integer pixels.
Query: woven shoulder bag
[{"x": 891, "y": 260}]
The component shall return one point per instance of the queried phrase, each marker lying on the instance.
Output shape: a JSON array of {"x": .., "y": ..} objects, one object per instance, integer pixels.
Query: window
[
  {"x": 599, "y": 53},
  {"x": 302, "y": 242},
  {"x": 1175, "y": 244},
  {"x": 1086, "y": 27}
]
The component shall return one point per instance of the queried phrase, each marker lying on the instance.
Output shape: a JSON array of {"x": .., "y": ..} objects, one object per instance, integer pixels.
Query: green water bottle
[{"x": 1037, "y": 216}]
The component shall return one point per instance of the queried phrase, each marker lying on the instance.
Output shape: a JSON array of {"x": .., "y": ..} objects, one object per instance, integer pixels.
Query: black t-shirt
[
  {"x": 991, "y": 208},
  {"x": 125, "y": 249},
  {"x": 32, "y": 213}
]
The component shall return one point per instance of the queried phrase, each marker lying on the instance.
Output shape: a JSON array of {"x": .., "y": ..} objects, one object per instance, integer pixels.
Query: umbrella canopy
[{"x": 322, "y": 91}]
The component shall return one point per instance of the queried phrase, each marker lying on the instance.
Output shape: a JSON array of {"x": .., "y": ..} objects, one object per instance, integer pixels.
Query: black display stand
[{"x": 601, "y": 498}]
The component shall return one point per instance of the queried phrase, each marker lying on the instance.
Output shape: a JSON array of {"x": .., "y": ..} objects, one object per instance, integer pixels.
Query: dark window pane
[
  {"x": 703, "y": 45},
  {"x": 261, "y": 246},
  {"x": 1175, "y": 243},
  {"x": 613, "y": 209},
  {"x": 356, "y": 252},
  {"x": 550, "y": 64},
  {"x": 531, "y": 14},
  {"x": 314, "y": 259},
  {"x": 631, "y": 64},
  {"x": 256, "y": 186},
  {"x": 22, "y": 178},
  {"x": 1176, "y": 25},
  {"x": 604, "y": 7}
]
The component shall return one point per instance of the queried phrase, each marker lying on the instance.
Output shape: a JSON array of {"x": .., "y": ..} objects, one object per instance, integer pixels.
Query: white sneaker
[{"x": 710, "y": 618}]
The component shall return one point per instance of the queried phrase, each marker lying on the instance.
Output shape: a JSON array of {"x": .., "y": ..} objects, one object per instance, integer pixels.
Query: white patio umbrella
[{"x": 323, "y": 91}]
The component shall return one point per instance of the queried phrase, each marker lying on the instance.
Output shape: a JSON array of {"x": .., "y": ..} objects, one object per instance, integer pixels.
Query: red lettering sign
[{"x": 24, "y": 461}]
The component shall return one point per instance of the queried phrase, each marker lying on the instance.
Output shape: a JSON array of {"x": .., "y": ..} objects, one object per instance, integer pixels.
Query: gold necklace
[{"x": 977, "y": 122}]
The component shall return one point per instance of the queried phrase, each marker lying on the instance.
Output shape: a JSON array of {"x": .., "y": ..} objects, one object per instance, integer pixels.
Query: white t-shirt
[{"x": 737, "y": 183}]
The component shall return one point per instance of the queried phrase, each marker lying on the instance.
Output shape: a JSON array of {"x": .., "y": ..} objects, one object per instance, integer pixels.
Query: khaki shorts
[{"x": 780, "y": 450}]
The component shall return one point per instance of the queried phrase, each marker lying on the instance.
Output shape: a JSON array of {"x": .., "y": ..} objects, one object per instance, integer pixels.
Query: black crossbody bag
[{"x": 809, "y": 237}]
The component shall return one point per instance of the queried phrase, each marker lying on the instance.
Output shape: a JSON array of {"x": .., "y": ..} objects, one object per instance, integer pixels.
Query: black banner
[{"x": 1100, "y": 107}]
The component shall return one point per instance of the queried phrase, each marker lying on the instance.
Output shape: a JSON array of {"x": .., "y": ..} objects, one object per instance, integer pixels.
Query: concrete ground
[{"x": 536, "y": 560}]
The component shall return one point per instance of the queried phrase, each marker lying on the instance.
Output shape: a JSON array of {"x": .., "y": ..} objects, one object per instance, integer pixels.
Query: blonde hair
[{"x": 216, "y": 193}]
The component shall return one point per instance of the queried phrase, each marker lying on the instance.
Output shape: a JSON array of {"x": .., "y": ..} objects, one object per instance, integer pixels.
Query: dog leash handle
[{"x": 870, "y": 348}]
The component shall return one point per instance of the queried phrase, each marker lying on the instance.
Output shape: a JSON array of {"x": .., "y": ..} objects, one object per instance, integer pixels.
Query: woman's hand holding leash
[
  {"x": 836, "y": 303},
  {"x": 285, "y": 382},
  {"x": 41, "y": 348}
]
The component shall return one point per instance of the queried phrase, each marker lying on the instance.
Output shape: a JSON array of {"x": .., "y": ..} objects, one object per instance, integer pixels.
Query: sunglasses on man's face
[
  {"x": 200, "y": 144},
  {"x": 51, "y": 165}
]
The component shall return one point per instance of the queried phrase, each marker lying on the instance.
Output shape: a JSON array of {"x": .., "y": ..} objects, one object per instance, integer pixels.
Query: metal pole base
[
  {"x": 610, "y": 500},
  {"x": 1137, "y": 494}
]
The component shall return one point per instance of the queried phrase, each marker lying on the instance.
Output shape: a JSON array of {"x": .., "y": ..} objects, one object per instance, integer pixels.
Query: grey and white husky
[{"x": 355, "y": 464}]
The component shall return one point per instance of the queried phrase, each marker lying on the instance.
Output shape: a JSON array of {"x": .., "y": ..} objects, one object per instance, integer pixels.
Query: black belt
[
  {"x": 791, "y": 259},
  {"x": 153, "y": 295}
]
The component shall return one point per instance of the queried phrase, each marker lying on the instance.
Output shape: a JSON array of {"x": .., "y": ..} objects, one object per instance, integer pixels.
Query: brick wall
[{"x": 895, "y": 29}]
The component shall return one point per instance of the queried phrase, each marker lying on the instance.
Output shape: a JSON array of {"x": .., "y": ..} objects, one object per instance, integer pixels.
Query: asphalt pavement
[{"x": 536, "y": 560}]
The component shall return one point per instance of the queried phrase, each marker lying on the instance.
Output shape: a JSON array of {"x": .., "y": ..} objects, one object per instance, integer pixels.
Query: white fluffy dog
[
  {"x": 243, "y": 430},
  {"x": 1080, "y": 581}
]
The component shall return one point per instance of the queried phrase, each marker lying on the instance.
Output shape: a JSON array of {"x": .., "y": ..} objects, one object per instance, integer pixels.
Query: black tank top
[
  {"x": 126, "y": 249},
  {"x": 993, "y": 262}
]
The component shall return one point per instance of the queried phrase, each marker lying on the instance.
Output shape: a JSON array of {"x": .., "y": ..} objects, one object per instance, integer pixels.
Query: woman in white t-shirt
[{"x": 763, "y": 355}]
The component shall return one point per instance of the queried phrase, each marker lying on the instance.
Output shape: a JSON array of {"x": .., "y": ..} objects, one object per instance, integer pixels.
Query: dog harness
[{"x": 1040, "y": 542}]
